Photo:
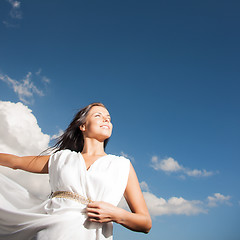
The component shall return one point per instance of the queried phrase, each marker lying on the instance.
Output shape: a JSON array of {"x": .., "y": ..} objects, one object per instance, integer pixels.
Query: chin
[{"x": 103, "y": 138}]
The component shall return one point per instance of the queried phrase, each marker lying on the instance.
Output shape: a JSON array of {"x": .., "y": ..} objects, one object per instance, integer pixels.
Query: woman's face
[{"x": 98, "y": 124}]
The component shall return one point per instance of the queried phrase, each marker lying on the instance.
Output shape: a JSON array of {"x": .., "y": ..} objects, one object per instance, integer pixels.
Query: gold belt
[{"x": 72, "y": 196}]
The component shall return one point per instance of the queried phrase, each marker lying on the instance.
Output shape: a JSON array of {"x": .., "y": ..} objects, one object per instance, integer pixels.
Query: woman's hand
[{"x": 102, "y": 212}]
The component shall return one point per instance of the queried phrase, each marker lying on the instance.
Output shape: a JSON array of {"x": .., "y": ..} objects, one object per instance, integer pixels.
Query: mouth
[{"x": 105, "y": 126}]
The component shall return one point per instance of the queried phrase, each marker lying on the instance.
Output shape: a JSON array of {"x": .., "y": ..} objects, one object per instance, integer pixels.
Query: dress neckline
[{"x": 90, "y": 167}]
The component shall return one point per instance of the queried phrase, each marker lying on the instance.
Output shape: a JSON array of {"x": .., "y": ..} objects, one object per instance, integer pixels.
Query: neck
[{"x": 93, "y": 147}]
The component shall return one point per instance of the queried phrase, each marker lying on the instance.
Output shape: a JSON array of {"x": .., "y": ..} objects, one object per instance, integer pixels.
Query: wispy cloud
[
  {"x": 44, "y": 79},
  {"x": 15, "y": 13},
  {"x": 144, "y": 186},
  {"x": 55, "y": 136},
  {"x": 217, "y": 198},
  {"x": 127, "y": 156},
  {"x": 169, "y": 165},
  {"x": 10, "y": 25},
  {"x": 25, "y": 88}
]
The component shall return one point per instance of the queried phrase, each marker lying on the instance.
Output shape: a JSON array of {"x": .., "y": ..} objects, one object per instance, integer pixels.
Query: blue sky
[{"x": 169, "y": 73}]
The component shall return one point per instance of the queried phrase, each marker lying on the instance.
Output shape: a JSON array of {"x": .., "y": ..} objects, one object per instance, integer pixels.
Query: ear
[{"x": 82, "y": 127}]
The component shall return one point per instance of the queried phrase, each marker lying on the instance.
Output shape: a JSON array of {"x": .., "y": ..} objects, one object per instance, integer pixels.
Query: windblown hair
[{"x": 72, "y": 138}]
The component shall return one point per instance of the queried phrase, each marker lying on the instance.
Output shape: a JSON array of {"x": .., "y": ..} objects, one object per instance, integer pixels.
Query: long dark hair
[{"x": 72, "y": 138}]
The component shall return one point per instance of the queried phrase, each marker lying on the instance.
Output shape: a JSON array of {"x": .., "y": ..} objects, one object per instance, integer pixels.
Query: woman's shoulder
[
  {"x": 117, "y": 156},
  {"x": 61, "y": 156},
  {"x": 63, "y": 153},
  {"x": 119, "y": 159}
]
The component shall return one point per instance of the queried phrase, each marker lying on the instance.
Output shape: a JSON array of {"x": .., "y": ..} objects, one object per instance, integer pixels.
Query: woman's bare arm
[
  {"x": 137, "y": 220},
  {"x": 35, "y": 164}
]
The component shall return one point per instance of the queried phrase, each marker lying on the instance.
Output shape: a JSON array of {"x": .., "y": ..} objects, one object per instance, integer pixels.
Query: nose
[{"x": 106, "y": 119}]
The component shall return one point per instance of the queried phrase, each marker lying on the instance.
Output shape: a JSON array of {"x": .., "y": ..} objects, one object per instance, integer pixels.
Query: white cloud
[
  {"x": 174, "y": 205},
  {"x": 55, "y": 136},
  {"x": 123, "y": 204},
  {"x": 144, "y": 186},
  {"x": 218, "y": 198},
  {"x": 21, "y": 135},
  {"x": 38, "y": 72},
  {"x": 15, "y": 14},
  {"x": 25, "y": 89},
  {"x": 15, "y": 11},
  {"x": 10, "y": 25},
  {"x": 19, "y": 130},
  {"x": 45, "y": 79},
  {"x": 198, "y": 173},
  {"x": 127, "y": 156},
  {"x": 15, "y": 4},
  {"x": 170, "y": 165},
  {"x": 159, "y": 206}
]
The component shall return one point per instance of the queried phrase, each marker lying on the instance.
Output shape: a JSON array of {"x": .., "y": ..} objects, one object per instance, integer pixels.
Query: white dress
[{"x": 24, "y": 217}]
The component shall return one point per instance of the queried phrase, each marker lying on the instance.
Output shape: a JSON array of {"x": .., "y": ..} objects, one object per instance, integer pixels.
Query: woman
[{"x": 87, "y": 185}]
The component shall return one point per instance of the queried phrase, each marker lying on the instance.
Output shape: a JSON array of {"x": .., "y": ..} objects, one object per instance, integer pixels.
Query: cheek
[{"x": 92, "y": 125}]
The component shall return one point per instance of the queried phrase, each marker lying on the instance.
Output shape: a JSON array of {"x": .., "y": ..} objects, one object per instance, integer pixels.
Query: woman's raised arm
[{"x": 35, "y": 164}]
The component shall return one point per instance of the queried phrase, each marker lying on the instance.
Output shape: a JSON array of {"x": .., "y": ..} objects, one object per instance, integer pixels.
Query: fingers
[
  {"x": 98, "y": 217},
  {"x": 93, "y": 212},
  {"x": 94, "y": 204},
  {"x": 97, "y": 212},
  {"x": 94, "y": 207}
]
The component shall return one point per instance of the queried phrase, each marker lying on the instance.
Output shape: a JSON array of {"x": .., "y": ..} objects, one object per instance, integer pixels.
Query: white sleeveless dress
[{"x": 23, "y": 216}]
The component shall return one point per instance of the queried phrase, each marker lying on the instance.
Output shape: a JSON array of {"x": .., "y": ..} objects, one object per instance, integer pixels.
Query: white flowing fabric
[{"x": 25, "y": 217}]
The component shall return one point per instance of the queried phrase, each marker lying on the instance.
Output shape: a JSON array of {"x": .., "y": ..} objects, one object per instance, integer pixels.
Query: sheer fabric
[{"x": 23, "y": 216}]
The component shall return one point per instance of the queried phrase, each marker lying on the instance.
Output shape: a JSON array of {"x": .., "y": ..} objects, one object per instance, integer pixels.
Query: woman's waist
[{"x": 71, "y": 196}]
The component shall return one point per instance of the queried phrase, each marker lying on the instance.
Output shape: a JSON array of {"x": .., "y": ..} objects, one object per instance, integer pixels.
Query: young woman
[{"x": 87, "y": 185}]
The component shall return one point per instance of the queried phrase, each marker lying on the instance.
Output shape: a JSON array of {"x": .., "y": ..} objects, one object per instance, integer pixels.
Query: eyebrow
[{"x": 101, "y": 114}]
